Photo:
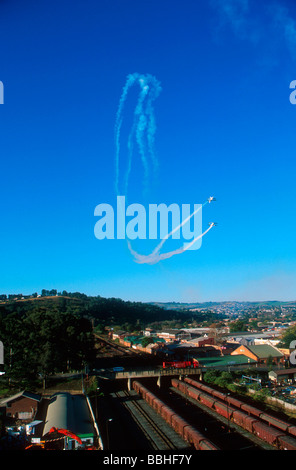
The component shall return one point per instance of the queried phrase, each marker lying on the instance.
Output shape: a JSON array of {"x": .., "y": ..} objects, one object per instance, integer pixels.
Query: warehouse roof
[
  {"x": 224, "y": 360},
  {"x": 265, "y": 350},
  {"x": 69, "y": 412}
]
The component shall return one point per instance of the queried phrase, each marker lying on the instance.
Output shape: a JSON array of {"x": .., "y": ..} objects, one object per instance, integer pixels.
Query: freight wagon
[
  {"x": 254, "y": 425},
  {"x": 182, "y": 427},
  {"x": 249, "y": 409}
]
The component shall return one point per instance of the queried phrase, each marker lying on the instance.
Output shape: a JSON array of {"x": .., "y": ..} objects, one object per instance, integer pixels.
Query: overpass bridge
[{"x": 109, "y": 374}]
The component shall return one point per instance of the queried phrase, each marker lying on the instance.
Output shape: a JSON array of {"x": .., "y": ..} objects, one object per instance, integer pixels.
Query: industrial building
[
  {"x": 261, "y": 353},
  {"x": 71, "y": 413}
]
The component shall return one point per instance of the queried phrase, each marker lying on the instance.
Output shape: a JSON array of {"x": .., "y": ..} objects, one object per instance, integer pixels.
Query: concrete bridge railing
[{"x": 133, "y": 374}]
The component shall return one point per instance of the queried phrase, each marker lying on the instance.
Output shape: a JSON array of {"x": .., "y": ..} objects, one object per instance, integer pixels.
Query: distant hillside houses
[
  {"x": 247, "y": 338},
  {"x": 170, "y": 341},
  {"x": 254, "y": 348}
]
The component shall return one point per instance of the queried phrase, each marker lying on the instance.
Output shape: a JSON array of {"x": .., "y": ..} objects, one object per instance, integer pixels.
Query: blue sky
[{"x": 225, "y": 127}]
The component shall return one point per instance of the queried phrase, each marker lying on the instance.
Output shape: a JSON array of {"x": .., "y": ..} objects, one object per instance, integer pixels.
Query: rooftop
[
  {"x": 265, "y": 350},
  {"x": 224, "y": 360},
  {"x": 283, "y": 371},
  {"x": 23, "y": 394},
  {"x": 70, "y": 412}
]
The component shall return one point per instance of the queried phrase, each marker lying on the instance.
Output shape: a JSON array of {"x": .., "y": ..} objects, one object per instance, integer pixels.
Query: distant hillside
[
  {"x": 100, "y": 310},
  {"x": 233, "y": 305}
]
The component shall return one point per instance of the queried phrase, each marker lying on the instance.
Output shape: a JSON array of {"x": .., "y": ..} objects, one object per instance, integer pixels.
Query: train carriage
[
  {"x": 265, "y": 426},
  {"x": 286, "y": 443},
  {"x": 167, "y": 414},
  {"x": 140, "y": 389},
  {"x": 223, "y": 409},
  {"x": 220, "y": 395},
  {"x": 251, "y": 410},
  {"x": 157, "y": 405},
  {"x": 192, "y": 382},
  {"x": 246, "y": 416},
  {"x": 179, "y": 385},
  {"x": 206, "y": 400},
  {"x": 206, "y": 389},
  {"x": 271, "y": 420},
  {"x": 239, "y": 418},
  {"x": 193, "y": 393},
  {"x": 179, "y": 424},
  {"x": 234, "y": 402},
  {"x": 205, "y": 444},
  {"x": 150, "y": 398},
  {"x": 242, "y": 419},
  {"x": 266, "y": 433},
  {"x": 292, "y": 430},
  {"x": 195, "y": 438},
  {"x": 136, "y": 386}
]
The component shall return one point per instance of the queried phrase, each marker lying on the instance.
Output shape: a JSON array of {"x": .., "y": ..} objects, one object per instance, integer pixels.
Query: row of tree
[
  {"x": 43, "y": 341},
  {"x": 55, "y": 333}
]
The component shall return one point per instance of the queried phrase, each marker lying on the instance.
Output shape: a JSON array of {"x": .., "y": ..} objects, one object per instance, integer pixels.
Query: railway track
[
  {"x": 221, "y": 433},
  {"x": 270, "y": 430},
  {"x": 157, "y": 432},
  {"x": 229, "y": 435},
  {"x": 114, "y": 346}
]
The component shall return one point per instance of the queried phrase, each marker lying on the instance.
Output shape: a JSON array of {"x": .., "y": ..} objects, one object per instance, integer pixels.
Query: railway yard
[
  {"x": 169, "y": 408},
  {"x": 186, "y": 415}
]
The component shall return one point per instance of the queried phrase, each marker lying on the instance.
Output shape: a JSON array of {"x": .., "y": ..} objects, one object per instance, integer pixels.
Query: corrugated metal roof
[
  {"x": 70, "y": 412},
  {"x": 224, "y": 360}
]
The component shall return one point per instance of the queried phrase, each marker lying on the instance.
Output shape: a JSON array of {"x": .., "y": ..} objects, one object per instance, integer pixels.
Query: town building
[
  {"x": 261, "y": 353},
  {"x": 200, "y": 341},
  {"x": 169, "y": 335},
  {"x": 22, "y": 406},
  {"x": 69, "y": 412},
  {"x": 118, "y": 334},
  {"x": 283, "y": 375}
]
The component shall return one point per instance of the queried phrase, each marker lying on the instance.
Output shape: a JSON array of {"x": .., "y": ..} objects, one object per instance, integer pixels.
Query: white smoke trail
[
  {"x": 143, "y": 132},
  {"x": 151, "y": 130},
  {"x": 155, "y": 258},
  {"x": 143, "y": 125},
  {"x": 118, "y": 123},
  {"x": 159, "y": 246}
]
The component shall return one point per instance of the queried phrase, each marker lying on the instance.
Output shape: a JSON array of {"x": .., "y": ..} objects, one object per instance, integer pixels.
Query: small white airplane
[
  {"x": 212, "y": 198},
  {"x": 211, "y": 224}
]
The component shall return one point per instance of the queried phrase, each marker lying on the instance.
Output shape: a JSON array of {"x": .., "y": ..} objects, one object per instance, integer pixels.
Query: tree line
[
  {"x": 52, "y": 334},
  {"x": 41, "y": 339}
]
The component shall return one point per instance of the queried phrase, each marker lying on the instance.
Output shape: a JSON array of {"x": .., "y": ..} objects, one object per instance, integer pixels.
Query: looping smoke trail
[
  {"x": 155, "y": 258},
  {"x": 118, "y": 123},
  {"x": 143, "y": 128},
  {"x": 143, "y": 133},
  {"x": 159, "y": 246}
]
